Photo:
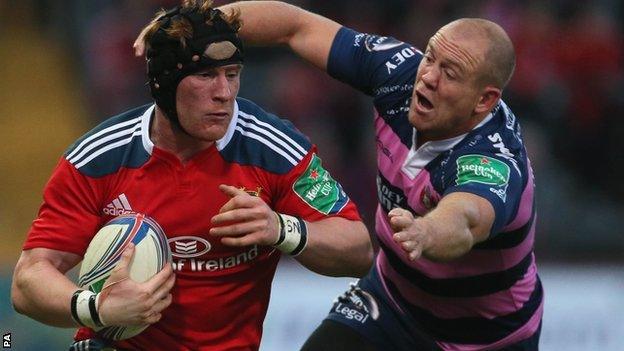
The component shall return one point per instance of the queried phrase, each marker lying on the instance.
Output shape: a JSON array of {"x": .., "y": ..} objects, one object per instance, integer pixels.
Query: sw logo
[{"x": 6, "y": 341}]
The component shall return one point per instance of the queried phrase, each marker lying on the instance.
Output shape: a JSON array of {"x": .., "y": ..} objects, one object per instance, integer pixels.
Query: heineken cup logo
[
  {"x": 319, "y": 190},
  {"x": 481, "y": 169}
]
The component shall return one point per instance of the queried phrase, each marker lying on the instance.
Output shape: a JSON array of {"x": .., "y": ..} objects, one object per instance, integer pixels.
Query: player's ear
[{"x": 488, "y": 99}]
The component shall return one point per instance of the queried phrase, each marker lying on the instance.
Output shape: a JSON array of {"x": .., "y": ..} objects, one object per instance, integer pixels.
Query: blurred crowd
[{"x": 566, "y": 90}]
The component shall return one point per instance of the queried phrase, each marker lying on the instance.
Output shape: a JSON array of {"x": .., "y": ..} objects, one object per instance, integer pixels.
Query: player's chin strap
[
  {"x": 84, "y": 309},
  {"x": 293, "y": 234}
]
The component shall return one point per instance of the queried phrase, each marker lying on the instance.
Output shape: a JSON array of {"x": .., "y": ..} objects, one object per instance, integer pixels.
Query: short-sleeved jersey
[
  {"x": 221, "y": 293},
  {"x": 492, "y": 296}
]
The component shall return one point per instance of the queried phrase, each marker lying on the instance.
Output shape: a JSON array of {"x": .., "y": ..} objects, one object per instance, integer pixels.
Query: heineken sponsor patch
[
  {"x": 318, "y": 189},
  {"x": 481, "y": 169}
]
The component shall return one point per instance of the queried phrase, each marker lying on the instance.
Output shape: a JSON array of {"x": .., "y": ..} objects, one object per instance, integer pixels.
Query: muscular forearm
[
  {"x": 273, "y": 22},
  {"x": 449, "y": 236},
  {"x": 266, "y": 22},
  {"x": 337, "y": 247},
  {"x": 43, "y": 293},
  {"x": 460, "y": 221}
]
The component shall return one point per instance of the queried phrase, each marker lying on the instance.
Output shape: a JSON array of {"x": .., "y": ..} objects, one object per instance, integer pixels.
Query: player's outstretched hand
[
  {"x": 244, "y": 220},
  {"x": 124, "y": 301},
  {"x": 409, "y": 232}
]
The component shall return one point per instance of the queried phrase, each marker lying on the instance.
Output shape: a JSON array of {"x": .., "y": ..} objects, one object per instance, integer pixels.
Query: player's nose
[{"x": 222, "y": 89}]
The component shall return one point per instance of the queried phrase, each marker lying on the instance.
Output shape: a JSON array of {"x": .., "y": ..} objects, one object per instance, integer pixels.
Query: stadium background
[{"x": 66, "y": 65}]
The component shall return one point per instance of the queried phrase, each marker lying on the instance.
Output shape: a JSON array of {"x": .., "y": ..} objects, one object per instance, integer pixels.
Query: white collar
[
  {"x": 149, "y": 145},
  {"x": 145, "y": 129},
  {"x": 417, "y": 159},
  {"x": 222, "y": 143}
]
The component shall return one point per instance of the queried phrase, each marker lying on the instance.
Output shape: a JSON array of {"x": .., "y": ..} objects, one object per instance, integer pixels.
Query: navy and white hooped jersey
[
  {"x": 221, "y": 293},
  {"x": 492, "y": 296}
]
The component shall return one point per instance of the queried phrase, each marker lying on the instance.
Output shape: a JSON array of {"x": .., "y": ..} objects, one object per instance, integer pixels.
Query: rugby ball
[{"x": 150, "y": 256}]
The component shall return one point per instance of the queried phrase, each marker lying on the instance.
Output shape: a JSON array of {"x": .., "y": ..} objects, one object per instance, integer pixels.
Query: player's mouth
[
  {"x": 423, "y": 104},
  {"x": 217, "y": 115}
]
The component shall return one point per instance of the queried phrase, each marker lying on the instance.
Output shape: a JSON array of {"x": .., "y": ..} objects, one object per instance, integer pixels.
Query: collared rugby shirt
[
  {"x": 492, "y": 296},
  {"x": 221, "y": 293}
]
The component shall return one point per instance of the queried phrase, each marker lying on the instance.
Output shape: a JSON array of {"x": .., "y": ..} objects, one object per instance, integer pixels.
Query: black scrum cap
[{"x": 213, "y": 42}]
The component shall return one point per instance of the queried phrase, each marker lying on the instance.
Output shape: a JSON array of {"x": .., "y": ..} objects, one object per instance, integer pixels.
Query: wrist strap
[
  {"x": 84, "y": 309},
  {"x": 293, "y": 234},
  {"x": 74, "y": 312}
]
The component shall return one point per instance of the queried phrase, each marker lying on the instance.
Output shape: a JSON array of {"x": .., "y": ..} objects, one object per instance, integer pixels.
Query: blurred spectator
[
  {"x": 111, "y": 68},
  {"x": 589, "y": 61}
]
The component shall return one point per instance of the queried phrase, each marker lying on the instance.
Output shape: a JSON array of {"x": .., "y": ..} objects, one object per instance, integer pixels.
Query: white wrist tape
[
  {"x": 84, "y": 309},
  {"x": 293, "y": 234},
  {"x": 97, "y": 308}
]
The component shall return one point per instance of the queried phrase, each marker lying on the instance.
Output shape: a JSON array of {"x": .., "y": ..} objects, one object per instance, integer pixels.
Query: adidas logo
[{"x": 118, "y": 206}]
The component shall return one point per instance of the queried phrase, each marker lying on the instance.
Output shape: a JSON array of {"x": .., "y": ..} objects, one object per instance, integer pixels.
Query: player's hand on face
[
  {"x": 124, "y": 301},
  {"x": 409, "y": 232},
  {"x": 244, "y": 220}
]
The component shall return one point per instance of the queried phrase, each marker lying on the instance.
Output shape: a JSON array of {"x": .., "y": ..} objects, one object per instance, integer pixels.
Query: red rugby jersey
[{"x": 221, "y": 293}]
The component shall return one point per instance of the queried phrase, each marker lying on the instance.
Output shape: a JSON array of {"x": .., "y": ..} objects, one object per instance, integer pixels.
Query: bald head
[{"x": 500, "y": 56}]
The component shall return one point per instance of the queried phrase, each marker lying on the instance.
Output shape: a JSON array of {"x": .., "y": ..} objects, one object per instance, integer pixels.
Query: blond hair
[{"x": 180, "y": 28}]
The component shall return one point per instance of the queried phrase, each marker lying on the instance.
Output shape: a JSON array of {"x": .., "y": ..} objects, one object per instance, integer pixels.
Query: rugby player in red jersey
[{"x": 233, "y": 186}]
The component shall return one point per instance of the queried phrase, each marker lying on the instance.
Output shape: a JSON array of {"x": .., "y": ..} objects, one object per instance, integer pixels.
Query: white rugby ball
[{"x": 150, "y": 256}]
